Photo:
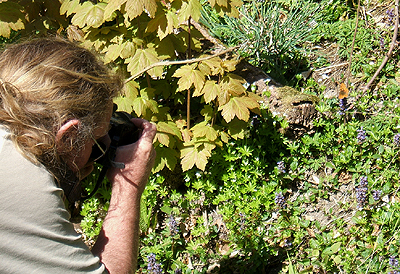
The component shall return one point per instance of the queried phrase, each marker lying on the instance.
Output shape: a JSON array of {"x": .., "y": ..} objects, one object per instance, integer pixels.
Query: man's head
[{"x": 54, "y": 98}]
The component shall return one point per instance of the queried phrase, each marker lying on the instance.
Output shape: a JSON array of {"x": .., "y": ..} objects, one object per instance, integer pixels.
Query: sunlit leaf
[
  {"x": 239, "y": 107},
  {"x": 134, "y": 8},
  {"x": 189, "y": 76},
  {"x": 190, "y": 8},
  {"x": 195, "y": 155},
  {"x": 112, "y": 6},
  {"x": 89, "y": 14},
  {"x": 233, "y": 84},
  {"x": 164, "y": 23},
  {"x": 142, "y": 59},
  {"x": 69, "y": 7},
  {"x": 211, "y": 90},
  {"x": 204, "y": 130}
]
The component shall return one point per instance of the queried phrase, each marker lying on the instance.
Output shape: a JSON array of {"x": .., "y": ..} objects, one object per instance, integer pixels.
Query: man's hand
[{"x": 117, "y": 245}]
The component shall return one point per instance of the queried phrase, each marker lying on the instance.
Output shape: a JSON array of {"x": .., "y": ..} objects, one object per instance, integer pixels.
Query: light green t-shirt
[{"x": 36, "y": 235}]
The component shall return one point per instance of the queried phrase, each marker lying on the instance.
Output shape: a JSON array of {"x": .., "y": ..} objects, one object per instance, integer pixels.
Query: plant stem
[{"x": 387, "y": 56}]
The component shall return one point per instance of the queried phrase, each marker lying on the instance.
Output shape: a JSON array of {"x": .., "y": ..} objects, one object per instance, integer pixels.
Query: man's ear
[{"x": 68, "y": 129}]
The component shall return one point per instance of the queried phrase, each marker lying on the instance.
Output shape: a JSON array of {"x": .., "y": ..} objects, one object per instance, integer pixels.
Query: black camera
[{"x": 122, "y": 132}]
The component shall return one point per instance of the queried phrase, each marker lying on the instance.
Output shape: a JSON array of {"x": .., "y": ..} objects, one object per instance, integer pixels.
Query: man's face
[{"x": 82, "y": 161}]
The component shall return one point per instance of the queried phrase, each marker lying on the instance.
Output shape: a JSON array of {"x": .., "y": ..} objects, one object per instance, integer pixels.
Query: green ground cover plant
[{"x": 250, "y": 200}]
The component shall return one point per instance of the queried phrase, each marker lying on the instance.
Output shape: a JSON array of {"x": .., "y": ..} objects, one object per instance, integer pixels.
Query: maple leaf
[
  {"x": 195, "y": 154},
  {"x": 143, "y": 103},
  {"x": 239, "y": 107},
  {"x": 165, "y": 157},
  {"x": 210, "y": 90},
  {"x": 164, "y": 23},
  {"x": 189, "y": 76},
  {"x": 89, "y": 14},
  {"x": 212, "y": 66},
  {"x": 69, "y": 7},
  {"x": 134, "y": 8},
  {"x": 164, "y": 132},
  {"x": 142, "y": 59},
  {"x": 233, "y": 84},
  {"x": 203, "y": 129},
  {"x": 11, "y": 17},
  {"x": 113, "y": 6},
  {"x": 190, "y": 8}
]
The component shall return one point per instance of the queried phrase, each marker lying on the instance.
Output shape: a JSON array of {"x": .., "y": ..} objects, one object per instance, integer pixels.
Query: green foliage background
[{"x": 222, "y": 159}]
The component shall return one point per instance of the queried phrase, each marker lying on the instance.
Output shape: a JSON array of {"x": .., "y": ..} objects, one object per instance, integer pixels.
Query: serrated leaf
[
  {"x": 211, "y": 90},
  {"x": 69, "y": 7},
  {"x": 189, "y": 76},
  {"x": 112, "y": 6},
  {"x": 235, "y": 107},
  {"x": 143, "y": 103},
  {"x": 214, "y": 64},
  {"x": 134, "y": 8},
  {"x": 142, "y": 59},
  {"x": 89, "y": 14},
  {"x": 164, "y": 23},
  {"x": 233, "y": 84},
  {"x": 11, "y": 17},
  {"x": 195, "y": 155},
  {"x": 204, "y": 130},
  {"x": 230, "y": 64},
  {"x": 165, "y": 157},
  {"x": 224, "y": 137},
  {"x": 164, "y": 132},
  {"x": 190, "y": 8},
  {"x": 207, "y": 112}
]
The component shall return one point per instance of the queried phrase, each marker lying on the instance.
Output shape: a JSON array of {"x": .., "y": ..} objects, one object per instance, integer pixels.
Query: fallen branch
[
  {"x": 179, "y": 62},
  {"x": 394, "y": 38}
]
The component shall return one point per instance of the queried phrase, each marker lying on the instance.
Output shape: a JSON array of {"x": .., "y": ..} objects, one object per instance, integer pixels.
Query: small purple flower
[
  {"x": 342, "y": 105},
  {"x": 173, "y": 226},
  {"x": 361, "y": 135},
  {"x": 390, "y": 16},
  {"x": 281, "y": 166},
  {"x": 376, "y": 194},
  {"x": 152, "y": 266},
  {"x": 396, "y": 139},
  {"x": 280, "y": 200},
  {"x": 361, "y": 191},
  {"x": 287, "y": 243},
  {"x": 393, "y": 261}
]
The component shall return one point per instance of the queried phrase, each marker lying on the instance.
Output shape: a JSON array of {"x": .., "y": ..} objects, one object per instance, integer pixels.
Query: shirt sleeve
[{"x": 36, "y": 235}]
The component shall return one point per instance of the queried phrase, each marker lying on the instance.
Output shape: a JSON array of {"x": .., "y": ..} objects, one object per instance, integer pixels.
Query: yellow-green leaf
[
  {"x": 214, "y": 65},
  {"x": 164, "y": 23},
  {"x": 233, "y": 84},
  {"x": 143, "y": 58},
  {"x": 204, "y": 130},
  {"x": 190, "y": 8},
  {"x": 239, "y": 107},
  {"x": 210, "y": 91},
  {"x": 69, "y": 7},
  {"x": 134, "y": 8},
  {"x": 89, "y": 14},
  {"x": 112, "y": 6},
  {"x": 189, "y": 76},
  {"x": 165, "y": 157},
  {"x": 11, "y": 17},
  {"x": 192, "y": 155}
]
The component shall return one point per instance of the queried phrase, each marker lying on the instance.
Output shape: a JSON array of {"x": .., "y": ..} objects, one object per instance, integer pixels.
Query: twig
[
  {"x": 387, "y": 56},
  {"x": 333, "y": 66},
  {"x": 179, "y": 62}
]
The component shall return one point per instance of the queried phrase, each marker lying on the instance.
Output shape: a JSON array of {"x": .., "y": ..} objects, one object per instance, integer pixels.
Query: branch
[
  {"x": 394, "y": 38},
  {"x": 180, "y": 62}
]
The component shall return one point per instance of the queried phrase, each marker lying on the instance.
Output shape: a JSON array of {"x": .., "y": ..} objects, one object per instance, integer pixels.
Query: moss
[{"x": 291, "y": 96}]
